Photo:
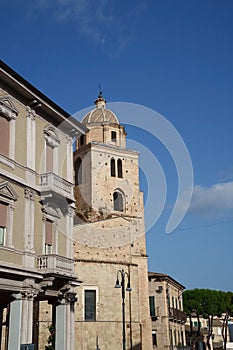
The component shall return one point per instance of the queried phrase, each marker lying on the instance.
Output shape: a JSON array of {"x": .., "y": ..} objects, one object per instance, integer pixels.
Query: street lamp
[{"x": 122, "y": 274}]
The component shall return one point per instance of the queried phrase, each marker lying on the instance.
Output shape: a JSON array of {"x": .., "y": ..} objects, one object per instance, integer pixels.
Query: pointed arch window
[
  {"x": 118, "y": 201},
  {"x": 119, "y": 168},
  {"x": 113, "y": 167},
  {"x": 78, "y": 171}
]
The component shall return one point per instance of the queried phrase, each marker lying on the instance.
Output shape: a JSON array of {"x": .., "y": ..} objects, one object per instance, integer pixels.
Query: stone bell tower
[{"x": 109, "y": 235}]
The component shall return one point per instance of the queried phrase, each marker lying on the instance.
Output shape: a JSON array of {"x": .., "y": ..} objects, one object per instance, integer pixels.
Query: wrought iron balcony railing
[{"x": 177, "y": 315}]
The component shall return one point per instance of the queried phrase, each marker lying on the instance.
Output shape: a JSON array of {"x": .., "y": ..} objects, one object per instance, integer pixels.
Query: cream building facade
[
  {"x": 166, "y": 311},
  {"x": 109, "y": 237},
  {"x": 36, "y": 217}
]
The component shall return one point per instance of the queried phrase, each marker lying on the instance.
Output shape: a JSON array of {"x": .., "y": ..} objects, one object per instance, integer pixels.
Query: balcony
[
  {"x": 177, "y": 315},
  {"x": 50, "y": 182},
  {"x": 55, "y": 264}
]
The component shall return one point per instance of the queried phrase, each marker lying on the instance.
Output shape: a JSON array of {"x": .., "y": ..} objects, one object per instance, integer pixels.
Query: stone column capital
[
  {"x": 29, "y": 194},
  {"x": 31, "y": 113}
]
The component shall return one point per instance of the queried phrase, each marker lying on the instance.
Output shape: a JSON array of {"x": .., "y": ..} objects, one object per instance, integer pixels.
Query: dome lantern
[{"x": 100, "y": 102}]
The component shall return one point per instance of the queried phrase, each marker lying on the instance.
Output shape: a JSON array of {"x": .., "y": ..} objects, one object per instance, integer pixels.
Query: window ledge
[{"x": 7, "y": 161}]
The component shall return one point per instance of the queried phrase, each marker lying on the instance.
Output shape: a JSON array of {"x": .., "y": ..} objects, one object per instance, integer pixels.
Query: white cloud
[
  {"x": 216, "y": 200},
  {"x": 98, "y": 21}
]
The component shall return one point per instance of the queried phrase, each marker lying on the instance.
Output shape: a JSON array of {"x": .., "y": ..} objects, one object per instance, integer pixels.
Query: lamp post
[{"x": 120, "y": 283}]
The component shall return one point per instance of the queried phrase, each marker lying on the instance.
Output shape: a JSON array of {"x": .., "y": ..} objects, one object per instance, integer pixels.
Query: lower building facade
[{"x": 166, "y": 311}]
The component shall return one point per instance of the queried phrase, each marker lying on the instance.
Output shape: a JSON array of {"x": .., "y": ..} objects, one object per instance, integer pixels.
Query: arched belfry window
[
  {"x": 118, "y": 201},
  {"x": 82, "y": 140},
  {"x": 78, "y": 171},
  {"x": 113, "y": 167},
  {"x": 119, "y": 168}
]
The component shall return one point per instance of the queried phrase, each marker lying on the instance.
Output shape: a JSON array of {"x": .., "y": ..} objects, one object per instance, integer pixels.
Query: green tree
[
  {"x": 51, "y": 339},
  {"x": 208, "y": 303}
]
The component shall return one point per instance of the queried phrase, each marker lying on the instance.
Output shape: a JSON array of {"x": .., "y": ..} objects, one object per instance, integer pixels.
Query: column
[
  {"x": 27, "y": 216},
  {"x": 60, "y": 335},
  {"x": 24, "y": 319},
  {"x": 72, "y": 324},
  {"x": 27, "y": 318},
  {"x": 68, "y": 234},
  {"x": 33, "y": 158},
  {"x": 30, "y": 318},
  {"x": 72, "y": 215},
  {"x": 15, "y": 322},
  {"x": 31, "y": 117},
  {"x": 70, "y": 331},
  {"x": 32, "y": 214},
  {"x": 29, "y": 220},
  {"x": 29, "y": 136},
  {"x": 69, "y": 159},
  {"x": 69, "y": 231}
]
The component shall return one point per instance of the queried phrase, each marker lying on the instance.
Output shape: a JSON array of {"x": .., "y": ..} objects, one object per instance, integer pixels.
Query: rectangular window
[
  {"x": 195, "y": 323},
  {"x": 171, "y": 338},
  {"x": 2, "y": 235},
  {"x": 4, "y": 136},
  {"x": 175, "y": 341},
  {"x": 90, "y": 305},
  {"x": 173, "y": 302},
  {"x": 3, "y": 222},
  {"x": 152, "y": 306},
  {"x": 113, "y": 136},
  {"x": 154, "y": 338},
  {"x": 48, "y": 236}
]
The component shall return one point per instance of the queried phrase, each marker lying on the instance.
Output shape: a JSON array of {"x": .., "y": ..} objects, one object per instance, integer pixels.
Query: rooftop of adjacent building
[{"x": 158, "y": 276}]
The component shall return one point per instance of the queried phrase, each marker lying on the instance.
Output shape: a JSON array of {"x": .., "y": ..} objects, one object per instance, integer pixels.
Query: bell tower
[
  {"x": 109, "y": 231},
  {"x": 106, "y": 172}
]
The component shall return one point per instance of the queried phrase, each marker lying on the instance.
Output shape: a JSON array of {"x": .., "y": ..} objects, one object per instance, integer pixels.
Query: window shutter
[
  {"x": 49, "y": 159},
  {"x": 49, "y": 233},
  {"x": 3, "y": 214},
  {"x": 4, "y": 136},
  {"x": 152, "y": 306}
]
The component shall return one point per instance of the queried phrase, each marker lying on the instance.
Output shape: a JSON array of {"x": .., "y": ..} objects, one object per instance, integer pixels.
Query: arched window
[
  {"x": 119, "y": 168},
  {"x": 118, "y": 202},
  {"x": 78, "y": 171},
  {"x": 113, "y": 167},
  {"x": 82, "y": 140}
]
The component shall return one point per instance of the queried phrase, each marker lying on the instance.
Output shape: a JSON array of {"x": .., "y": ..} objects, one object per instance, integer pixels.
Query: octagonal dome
[{"x": 100, "y": 115}]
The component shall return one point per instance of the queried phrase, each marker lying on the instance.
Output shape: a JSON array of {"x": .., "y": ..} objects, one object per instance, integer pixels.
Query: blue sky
[{"x": 173, "y": 56}]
